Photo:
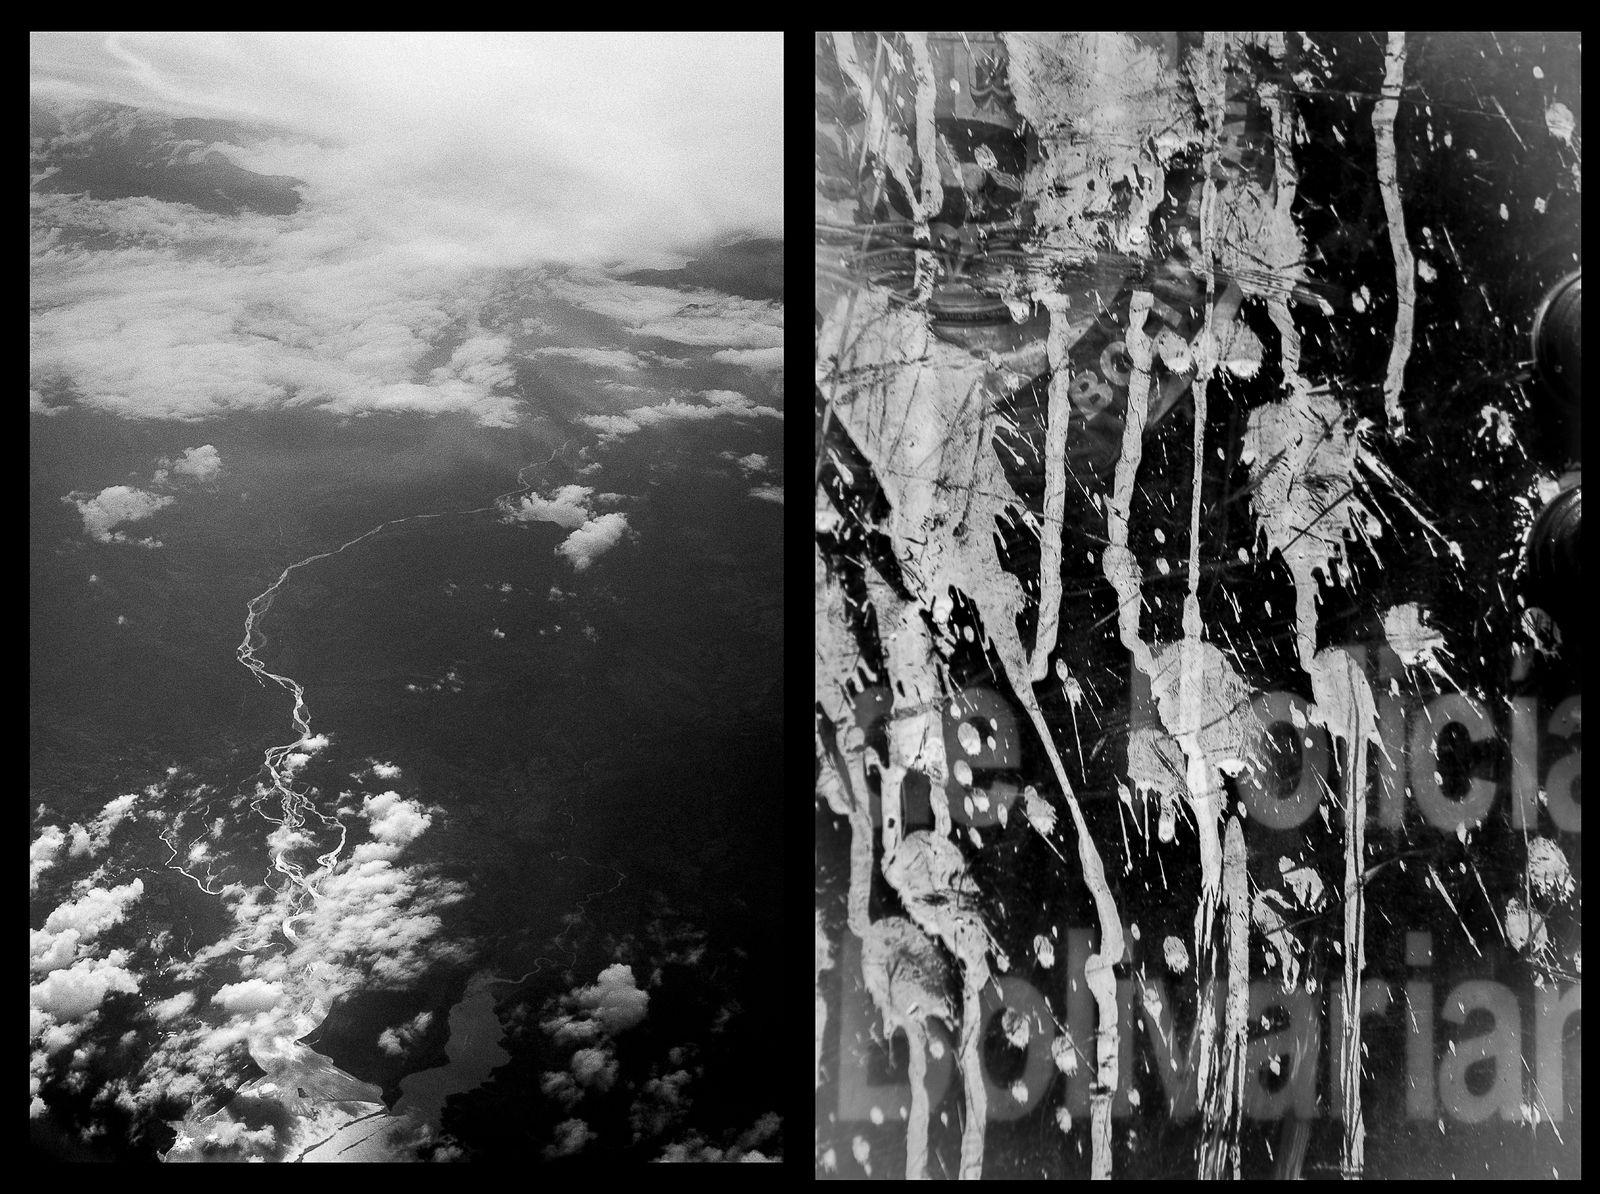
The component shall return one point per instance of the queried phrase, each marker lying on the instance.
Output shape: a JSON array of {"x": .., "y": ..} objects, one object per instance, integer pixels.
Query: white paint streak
[
  {"x": 923, "y": 423},
  {"x": 907, "y": 978},
  {"x": 1383, "y": 114},
  {"x": 1055, "y": 484},
  {"x": 1345, "y": 705}
]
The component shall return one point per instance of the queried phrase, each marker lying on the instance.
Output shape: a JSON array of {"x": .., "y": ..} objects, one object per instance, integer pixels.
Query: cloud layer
[{"x": 497, "y": 148}]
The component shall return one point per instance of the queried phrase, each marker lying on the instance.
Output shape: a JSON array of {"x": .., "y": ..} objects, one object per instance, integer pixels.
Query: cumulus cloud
[
  {"x": 558, "y": 1085},
  {"x": 566, "y": 507},
  {"x": 595, "y": 1068},
  {"x": 394, "y": 820},
  {"x": 177, "y": 1006},
  {"x": 112, "y": 507},
  {"x": 97, "y": 835},
  {"x": 744, "y": 1149},
  {"x": 593, "y": 539},
  {"x": 571, "y": 1137},
  {"x": 72, "y": 992},
  {"x": 95, "y": 911},
  {"x": 614, "y": 1000},
  {"x": 42, "y": 852},
  {"x": 201, "y": 465},
  {"x": 569, "y": 507},
  {"x": 767, "y": 493},
  {"x": 251, "y": 995},
  {"x": 394, "y": 1041},
  {"x": 75, "y": 981},
  {"x": 660, "y": 1104}
]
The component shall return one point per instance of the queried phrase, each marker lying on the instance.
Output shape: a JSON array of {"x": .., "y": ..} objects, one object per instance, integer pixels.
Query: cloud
[
  {"x": 595, "y": 1068},
  {"x": 592, "y": 540},
  {"x": 614, "y": 1000},
  {"x": 75, "y": 982},
  {"x": 114, "y": 506},
  {"x": 660, "y": 1104},
  {"x": 696, "y": 1148},
  {"x": 496, "y": 147},
  {"x": 394, "y": 820},
  {"x": 252, "y": 995},
  {"x": 394, "y": 1041},
  {"x": 42, "y": 853},
  {"x": 702, "y": 318},
  {"x": 767, "y": 493},
  {"x": 95, "y": 911},
  {"x": 571, "y": 1137},
  {"x": 754, "y": 462},
  {"x": 558, "y": 1085},
  {"x": 566, "y": 507},
  {"x": 98, "y": 833},
  {"x": 762, "y": 360},
  {"x": 717, "y": 404},
  {"x": 600, "y": 358},
  {"x": 71, "y": 993},
  {"x": 179, "y": 1005},
  {"x": 415, "y": 192},
  {"x": 202, "y": 465}
]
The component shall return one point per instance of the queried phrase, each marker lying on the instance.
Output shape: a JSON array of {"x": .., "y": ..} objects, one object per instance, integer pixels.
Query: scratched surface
[{"x": 1171, "y": 645}]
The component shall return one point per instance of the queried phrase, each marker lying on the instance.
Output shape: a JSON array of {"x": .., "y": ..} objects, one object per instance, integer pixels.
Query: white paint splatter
[
  {"x": 1560, "y": 123},
  {"x": 1413, "y": 639},
  {"x": 1549, "y": 873},
  {"x": 1044, "y": 950},
  {"x": 1175, "y": 955}
]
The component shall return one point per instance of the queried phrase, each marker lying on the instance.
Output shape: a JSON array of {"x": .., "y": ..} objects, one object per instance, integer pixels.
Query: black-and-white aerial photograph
[
  {"x": 1199, "y": 605},
  {"x": 405, "y": 575}
]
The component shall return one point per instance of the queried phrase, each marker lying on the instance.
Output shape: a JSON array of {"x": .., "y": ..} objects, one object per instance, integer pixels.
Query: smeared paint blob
[
  {"x": 1064, "y": 1054},
  {"x": 1175, "y": 955},
  {"x": 1302, "y": 455},
  {"x": 1015, "y": 1026},
  {"x": 1525, "y": 927},
  {"x": 1096, "y": 101},
  {"x": 1044, "y": 950},
  {"x": 1560, "y": 123},
  {"x": 1413, "y": 639},
  {"x": 1304, "y": 882},
  {"x": 1549, "y": 873},
  {"x": 1039, "y": 812}
]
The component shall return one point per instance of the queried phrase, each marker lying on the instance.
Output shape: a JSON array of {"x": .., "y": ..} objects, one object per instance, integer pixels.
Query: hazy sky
[
  {"x": 435, "y": 164},
  {"x": 512, "y": 145}
]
